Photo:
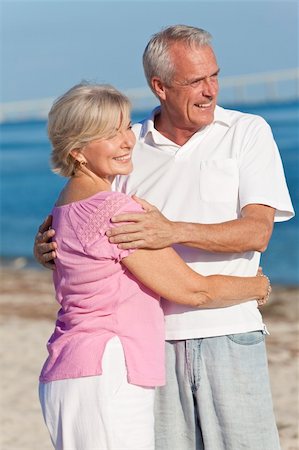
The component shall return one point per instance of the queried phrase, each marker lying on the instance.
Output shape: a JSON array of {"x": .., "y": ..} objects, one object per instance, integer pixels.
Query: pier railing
[
  {"x": 264, "y": 87},
  {"x": 276, "y": 86}
]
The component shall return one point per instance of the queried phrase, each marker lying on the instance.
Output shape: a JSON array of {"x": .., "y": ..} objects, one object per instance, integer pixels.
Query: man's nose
[{"x": 210, "y": 86}]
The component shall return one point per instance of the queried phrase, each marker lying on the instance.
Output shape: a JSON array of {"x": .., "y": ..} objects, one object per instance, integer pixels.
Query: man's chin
[{"x": 204, "y": 121}]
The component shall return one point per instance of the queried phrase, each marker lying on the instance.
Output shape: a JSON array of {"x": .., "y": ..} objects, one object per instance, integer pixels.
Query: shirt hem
[
  {"x": 132, "y": 379},
  {"x": 196, "y": 334}
]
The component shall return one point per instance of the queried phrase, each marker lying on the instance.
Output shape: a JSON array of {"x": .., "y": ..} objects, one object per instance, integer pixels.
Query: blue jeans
[{"x": 217, "y": 396}]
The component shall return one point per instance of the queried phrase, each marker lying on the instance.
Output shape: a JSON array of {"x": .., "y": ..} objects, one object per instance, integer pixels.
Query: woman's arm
[{"x": 164, "y": 272}]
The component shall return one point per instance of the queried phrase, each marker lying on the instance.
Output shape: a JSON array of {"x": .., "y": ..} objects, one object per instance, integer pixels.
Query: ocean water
[{"x": 29, "y": 188}]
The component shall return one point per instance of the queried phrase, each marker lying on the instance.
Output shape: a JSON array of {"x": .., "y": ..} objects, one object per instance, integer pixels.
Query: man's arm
[
  {"x": 252, "y": 231},
  {"x": 44, "y": 248}
]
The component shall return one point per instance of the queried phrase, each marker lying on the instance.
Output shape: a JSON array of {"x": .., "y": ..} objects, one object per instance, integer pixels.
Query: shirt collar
[
  {"x": 221, "y": 116},
  {"x": 148, "y": 123}
]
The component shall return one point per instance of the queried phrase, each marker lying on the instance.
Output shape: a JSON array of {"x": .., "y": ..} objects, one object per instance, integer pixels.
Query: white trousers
[{"x": 100, "y": 412}]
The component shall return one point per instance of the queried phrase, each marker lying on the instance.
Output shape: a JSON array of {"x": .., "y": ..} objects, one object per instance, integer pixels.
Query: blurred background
[{"x": 48, "y": 46}]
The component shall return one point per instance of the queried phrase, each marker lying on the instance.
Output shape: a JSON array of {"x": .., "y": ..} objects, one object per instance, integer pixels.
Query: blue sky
[{"x": 47, "y": 46}]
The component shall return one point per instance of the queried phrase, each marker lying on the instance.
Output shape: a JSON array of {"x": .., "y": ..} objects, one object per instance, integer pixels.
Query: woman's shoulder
[
  {"x": 92, "y": 217},
  {"x": 117, "y": 201},
  {"x": 107, "y": 203},
  {"x": 114, "y": 203}
]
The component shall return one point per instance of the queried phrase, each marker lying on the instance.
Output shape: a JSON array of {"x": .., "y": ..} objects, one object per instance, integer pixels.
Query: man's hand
[
  {"x": 146, "y": 230},
  {"x": 44, "y": 249}
]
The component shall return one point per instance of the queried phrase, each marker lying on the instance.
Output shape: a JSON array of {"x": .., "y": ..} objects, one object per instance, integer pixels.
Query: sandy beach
[{"x": 27, "y": 315}]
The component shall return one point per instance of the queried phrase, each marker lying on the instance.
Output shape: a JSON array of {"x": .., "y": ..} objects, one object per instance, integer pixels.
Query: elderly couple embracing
[{"x": 178, "y": 263}]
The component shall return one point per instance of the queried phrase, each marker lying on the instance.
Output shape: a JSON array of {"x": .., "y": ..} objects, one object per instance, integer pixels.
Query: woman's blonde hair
[{"x": 84, "y": 113}]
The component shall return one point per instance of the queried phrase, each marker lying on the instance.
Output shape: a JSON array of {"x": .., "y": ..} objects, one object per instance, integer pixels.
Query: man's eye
[{"x": 195, "y": 83}]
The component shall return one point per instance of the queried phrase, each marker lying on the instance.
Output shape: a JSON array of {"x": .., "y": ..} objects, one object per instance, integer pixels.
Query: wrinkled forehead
[
  {"x": 186, "y": 49},
  {"x": 192, "y": 59}
]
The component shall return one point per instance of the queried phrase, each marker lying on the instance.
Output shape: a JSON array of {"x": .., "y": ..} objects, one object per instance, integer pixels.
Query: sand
[{"x": 27, "y": 316}]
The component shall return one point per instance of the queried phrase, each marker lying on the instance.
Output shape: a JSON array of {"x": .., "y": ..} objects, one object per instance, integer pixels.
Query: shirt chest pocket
[{"x": 219, "y": 180}]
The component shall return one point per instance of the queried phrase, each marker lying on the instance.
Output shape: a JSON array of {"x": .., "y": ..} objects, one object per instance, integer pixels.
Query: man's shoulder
[{"x": 234, "y": 117}]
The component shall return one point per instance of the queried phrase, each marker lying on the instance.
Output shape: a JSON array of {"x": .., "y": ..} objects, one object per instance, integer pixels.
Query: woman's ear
[
  {"x": 77, "y": 155},
  {"x": 74, "y": 153}
]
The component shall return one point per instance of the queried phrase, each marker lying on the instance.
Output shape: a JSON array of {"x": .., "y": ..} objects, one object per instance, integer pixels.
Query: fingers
[
  {"x": 46, "y": 224},
  {"x": 50, "y": 265},
  {"x": 49, "y": 256},
  {"x": 48, "y": 260},
  {"x": 145, "y": 205},
  {"x": 44, "y": 252},
  {"x": 131, "y": 245},
  {"x": 260, "y": 271},
  {"x": 124, "y": 238},
  {"x": 127, "y": 217},
  {"x": 264, "y": 300},
  {"x": 130, "y": 228},
  {"x": 44, "y": 236},
  {"x": 46, "y": 247}
]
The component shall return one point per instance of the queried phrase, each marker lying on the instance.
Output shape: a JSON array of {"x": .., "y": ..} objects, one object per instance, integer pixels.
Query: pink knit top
[{"x": 100, "y": 298}]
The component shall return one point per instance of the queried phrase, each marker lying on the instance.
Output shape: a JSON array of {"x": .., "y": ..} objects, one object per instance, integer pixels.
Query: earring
[{"x": 79, "y": 164}]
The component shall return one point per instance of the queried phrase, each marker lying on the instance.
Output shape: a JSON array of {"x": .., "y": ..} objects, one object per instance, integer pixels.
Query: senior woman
[{"x": 106, "y": 354}]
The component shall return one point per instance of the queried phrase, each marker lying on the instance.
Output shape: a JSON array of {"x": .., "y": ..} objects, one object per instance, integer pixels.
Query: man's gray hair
[{"x": 156, "y": 57}]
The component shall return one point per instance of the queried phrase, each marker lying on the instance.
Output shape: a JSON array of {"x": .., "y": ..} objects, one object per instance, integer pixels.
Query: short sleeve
[
  {"x": 92, "y": 233},
  {"x": 262, "y": 178},
  {"x": 129, "y": 207}
]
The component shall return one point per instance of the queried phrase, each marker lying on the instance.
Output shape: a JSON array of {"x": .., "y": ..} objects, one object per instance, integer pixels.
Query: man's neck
[{"x": 167, "y": 129}]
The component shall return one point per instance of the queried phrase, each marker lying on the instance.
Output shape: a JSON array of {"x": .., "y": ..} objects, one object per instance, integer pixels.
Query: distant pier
[{"x": 267, "y": 87}]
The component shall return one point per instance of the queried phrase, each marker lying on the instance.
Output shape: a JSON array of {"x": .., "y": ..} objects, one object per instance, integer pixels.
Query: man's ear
[{"x": 158, "y": 88}]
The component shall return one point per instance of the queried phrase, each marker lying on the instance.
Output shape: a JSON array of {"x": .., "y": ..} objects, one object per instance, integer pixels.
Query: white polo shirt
[{"x": 229, "y": 164}]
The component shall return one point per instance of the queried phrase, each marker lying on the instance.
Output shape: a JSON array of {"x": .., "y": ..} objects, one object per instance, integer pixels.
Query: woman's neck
[{"x": 82, "y": 185}]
